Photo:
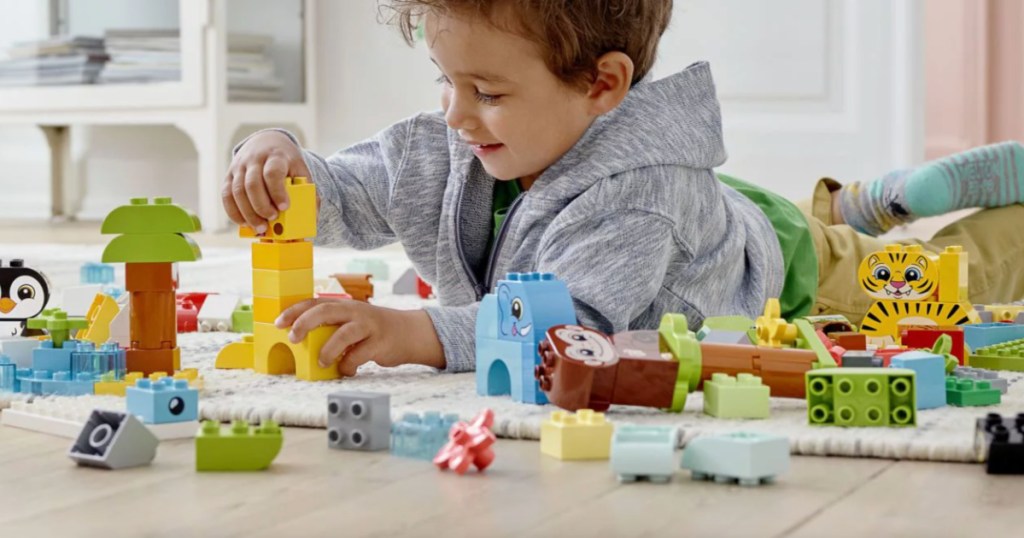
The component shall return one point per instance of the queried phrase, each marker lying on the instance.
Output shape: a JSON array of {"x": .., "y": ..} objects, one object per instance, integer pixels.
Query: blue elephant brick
[
  {"x": 510, "y": 324},
  {"x": 931, "y": 376},
  {"x": 163, "y": 401}
]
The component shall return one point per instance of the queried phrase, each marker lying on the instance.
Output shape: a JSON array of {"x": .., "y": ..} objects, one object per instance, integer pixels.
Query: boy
[{"x": 556, "y": 153}]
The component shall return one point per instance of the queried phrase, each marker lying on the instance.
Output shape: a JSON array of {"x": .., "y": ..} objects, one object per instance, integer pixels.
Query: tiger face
[{"x": 906, "y": 273}]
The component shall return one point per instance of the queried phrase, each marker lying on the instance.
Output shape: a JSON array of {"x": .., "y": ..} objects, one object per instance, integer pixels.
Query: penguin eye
[{"x": 26, "y": 292}]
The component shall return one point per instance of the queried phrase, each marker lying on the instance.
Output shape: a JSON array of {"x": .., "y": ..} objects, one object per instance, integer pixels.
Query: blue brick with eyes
[
  {"x": 516, "y": 318},
  {"x": 163, "y": 401}
]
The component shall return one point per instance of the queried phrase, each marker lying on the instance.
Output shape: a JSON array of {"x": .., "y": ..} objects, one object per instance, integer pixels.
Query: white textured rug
[{"x": 945, "y": 434}]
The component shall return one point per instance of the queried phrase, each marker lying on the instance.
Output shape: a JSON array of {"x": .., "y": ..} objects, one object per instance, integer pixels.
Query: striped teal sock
[{"x": 987, "y": 176}]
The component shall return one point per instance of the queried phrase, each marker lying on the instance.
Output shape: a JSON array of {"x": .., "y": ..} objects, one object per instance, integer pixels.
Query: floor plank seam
[{"x": 796, "y": 526}]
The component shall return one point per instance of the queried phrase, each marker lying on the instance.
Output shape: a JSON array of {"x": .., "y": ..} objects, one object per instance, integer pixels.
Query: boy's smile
[{"x": 498, "y": 93}]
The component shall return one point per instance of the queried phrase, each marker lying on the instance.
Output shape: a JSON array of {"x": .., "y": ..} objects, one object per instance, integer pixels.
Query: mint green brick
[
  {"x": 971, "y": 393},
  {"x": 861, "y": 397},
  {"x": 743, "y": 396},
  {"x": 1004, "y": 356}
]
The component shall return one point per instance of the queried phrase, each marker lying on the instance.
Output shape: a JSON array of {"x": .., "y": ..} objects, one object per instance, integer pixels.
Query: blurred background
[{"x": 103, "y": 100}]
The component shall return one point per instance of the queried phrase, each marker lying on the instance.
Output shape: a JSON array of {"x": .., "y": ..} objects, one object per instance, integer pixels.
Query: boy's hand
[
  {"x": 254, "y": 190},
  {"x": 366, "y": 333}
]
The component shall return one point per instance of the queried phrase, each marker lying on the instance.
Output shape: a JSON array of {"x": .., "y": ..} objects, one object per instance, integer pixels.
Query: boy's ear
[{"x": 611, "y": 83}]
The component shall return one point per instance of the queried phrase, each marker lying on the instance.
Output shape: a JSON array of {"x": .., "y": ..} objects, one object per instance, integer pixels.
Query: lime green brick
[
  {"x": 237, "y": 448},
  {"x": 743, "y": 396},
  {"x": 675, "y": 337},
  {"x": 861, "y": 397},
  {"x": 141, "y": 217},
  {"x": 1004, "y": 356},
  {"x": 808, "y": 339},
  {"x": 57, "y": 324},
  {"x": 963, "y": 392}
]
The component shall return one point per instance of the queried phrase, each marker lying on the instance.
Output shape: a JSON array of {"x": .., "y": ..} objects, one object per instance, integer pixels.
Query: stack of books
[
  {"x": 54, "y": 61},
  {"x": 142, "y": 56}
]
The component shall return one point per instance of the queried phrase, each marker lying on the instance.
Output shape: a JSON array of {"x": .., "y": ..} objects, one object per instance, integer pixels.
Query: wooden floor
[{"x": 311, "y": 491}]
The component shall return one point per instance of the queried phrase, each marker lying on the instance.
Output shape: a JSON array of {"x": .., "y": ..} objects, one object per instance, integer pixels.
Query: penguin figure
[{"x": 24, "y": 293}]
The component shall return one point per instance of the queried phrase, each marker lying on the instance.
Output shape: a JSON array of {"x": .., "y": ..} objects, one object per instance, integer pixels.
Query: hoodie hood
[{"x": 672, "y": 121}]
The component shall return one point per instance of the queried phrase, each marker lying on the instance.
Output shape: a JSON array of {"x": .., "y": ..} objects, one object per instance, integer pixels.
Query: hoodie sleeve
[
  {"x": 613, "y": 264},
  {"x": 355, "y": 186},
  {"x": 456, "y": 329}
]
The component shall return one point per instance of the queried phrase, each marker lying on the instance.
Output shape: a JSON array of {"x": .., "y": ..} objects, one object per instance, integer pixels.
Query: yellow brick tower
[{"x": 282, "y": 275}]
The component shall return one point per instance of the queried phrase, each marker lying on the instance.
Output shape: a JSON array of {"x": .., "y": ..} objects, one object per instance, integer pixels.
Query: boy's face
[{"x": 499, "y": 95}]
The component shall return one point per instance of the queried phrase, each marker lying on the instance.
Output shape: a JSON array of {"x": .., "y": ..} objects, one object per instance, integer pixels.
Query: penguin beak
[{"x": 6, "y": 305}]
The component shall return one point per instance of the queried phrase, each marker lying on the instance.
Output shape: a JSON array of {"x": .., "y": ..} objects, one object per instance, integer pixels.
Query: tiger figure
[{"x": 907, "y": 284}]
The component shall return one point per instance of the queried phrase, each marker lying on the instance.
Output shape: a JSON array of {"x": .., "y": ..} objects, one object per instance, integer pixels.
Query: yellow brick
[
  {"x": 583, "y": 436},
  {"x": 953, "y": 275},
  {"x": 101, "y": 313},
  {"x": 273, "y": 283},
  {"x": 282, "y": 256},
  {"x": 236, "y": 355},
  {"x": 299, "y": 220},
  {"x": 266, "y": 309},
  {"x": 274, "y": 354}
]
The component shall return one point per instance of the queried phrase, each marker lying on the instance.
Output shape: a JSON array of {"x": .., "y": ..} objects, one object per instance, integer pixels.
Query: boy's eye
[
  {"x": 442, "y": 79},
  {"x": 487, "y": 99}
]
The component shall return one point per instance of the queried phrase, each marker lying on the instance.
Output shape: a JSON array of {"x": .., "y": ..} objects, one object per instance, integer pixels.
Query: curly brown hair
[{"x": 571, "y": 34}]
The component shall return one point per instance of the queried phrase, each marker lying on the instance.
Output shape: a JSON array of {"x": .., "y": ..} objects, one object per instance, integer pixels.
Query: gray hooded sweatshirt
[{"x": 631, "y": 218}]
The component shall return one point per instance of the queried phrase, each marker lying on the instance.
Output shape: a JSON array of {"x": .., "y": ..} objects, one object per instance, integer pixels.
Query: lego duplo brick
[
  {"x": 420, "y": 436},
  {"x": 298, "y": 222},
  {"x": 148, "y": 361},
  {"x": 1004, "y": 356},
  {"x": 982, "y": 335},
  {"x": 922, "y": 338},
  {"x": 281, "y": 282},
  {"x": 861, "y": 359},
  {"x": 643, "y": 452},
  {"x": 100, "y": 315},
  {"x": 725, "y": 337},
  {"x": 585, "y": 435},
  {"x": 808, "y": 338},
  {"x": 267, "y": 309},
  {"x": 274, "y": 354},
  {"x": 358, "y": 286},
  {"x": 282, "y": 256},
  {"x": 771, "y": 329},
  {"x": 931, "y": 376},
  {"x": 743, "y": 396},
  {"x": 153, "y": 320},
  {"x": 45, "y": 382},
  {"x": 108, "y": 358},
  {"x": 215, "y": 315},
  {"x": 861, "y": 397},
  {"x": 404, "y": 284},
  {"x": 96, "y": 273},
  {"x": 237, "y": 447},
  {"x": 999, "y": 442},
  {"x": 163, "y": 401},
  {"x": 850, "y": 340},
  {"x": 151, "y": 276},
  {"x": 53, "y": 358},
  {"x": 748, "y": 458},
  {"x": 963, "y": 392},
  {"x": 980, "y": 374},
  {"x": 780, "y": 369},
  {"x": 359, "y": 420},
  {"x": 242, "y": 319},
  {"x": 113, "y": 440}
]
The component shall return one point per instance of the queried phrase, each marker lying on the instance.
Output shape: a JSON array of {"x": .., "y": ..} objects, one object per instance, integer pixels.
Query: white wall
[{"x": 779, "y": 59}]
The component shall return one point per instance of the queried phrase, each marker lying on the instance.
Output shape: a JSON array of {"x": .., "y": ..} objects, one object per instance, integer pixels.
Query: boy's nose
[{"x": 458, "y": 115}]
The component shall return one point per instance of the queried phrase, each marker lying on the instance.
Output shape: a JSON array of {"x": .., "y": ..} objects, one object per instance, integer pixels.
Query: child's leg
[
  {"x": 994, "y": 244},
  {"x": 988, "y": 176}
]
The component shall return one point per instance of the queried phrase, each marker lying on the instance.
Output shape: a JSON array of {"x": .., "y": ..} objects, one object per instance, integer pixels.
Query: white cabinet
[{"x": 197, "y": 105}]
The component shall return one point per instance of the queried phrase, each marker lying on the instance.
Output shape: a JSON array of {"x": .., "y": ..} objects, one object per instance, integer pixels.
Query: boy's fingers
[
  {"x": 324, "y": 313},
  {"x": 274, "y": 172},
  {"x": 257, "y": 191},
  {"x": 348, "y": 335},
  {"x": 292, "y": 312},
  {"x": 242, "y": 201},
  {"x": 228, "y": 200},
  {"x": 356, "y": 356}
]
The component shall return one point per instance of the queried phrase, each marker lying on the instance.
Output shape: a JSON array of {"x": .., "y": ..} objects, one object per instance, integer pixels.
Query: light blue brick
[
  {"x": 421, "y": 437},
  {"x": 46, "y": 383},
  {"x": 8, "y": 370},
  {"x": 109, "y": 358},
  {"x": 931, "y": 376},
  {"x": 643, "y": 452},
  {"x": 980, "y": 335},
  {"x": 163, "y": 401},
  {"x": 748, "y": 458},
  {"x": 47, "y": 357},
  {"x": 510, "y": 324},
  {"x": 96, "y": 273},
  {"x": 377, "y": 268}
]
